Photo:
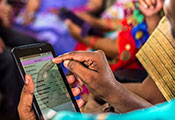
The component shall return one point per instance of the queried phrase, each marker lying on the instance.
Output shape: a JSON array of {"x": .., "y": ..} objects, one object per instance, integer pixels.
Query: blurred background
[{"x": 34, "y": 21}]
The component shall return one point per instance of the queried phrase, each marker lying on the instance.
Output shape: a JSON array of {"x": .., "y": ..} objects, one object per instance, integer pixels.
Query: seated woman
[
  {"x": 9, "y": 75},
  {"x": 125, "y": 32}
]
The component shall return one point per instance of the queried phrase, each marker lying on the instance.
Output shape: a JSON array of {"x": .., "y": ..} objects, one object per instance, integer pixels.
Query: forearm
[
  {"x": 133, "y": 87},
  {"x": 108, "y": 24},
  {"x": 102, "y": 24},
  {"x": 125, "y": 101},
  {"x": 109, "y": 46},
  {"x": 33, "y": 5},
  {"x": 152, "y": 22},
  {"x": 146, "y": 90}
]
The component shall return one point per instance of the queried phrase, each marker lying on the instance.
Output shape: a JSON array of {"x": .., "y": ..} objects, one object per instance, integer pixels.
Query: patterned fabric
[
  {"x": 120, "y": 9},
  {"x": 157, "y": 57},
  {"x": 163, "y": 111},
  {"x": 127, "y": 50},
  {"x": 131, "y": 33}
]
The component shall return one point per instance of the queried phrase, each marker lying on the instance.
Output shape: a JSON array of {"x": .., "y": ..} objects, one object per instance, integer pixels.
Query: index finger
[{"x": 80, "y": 56}]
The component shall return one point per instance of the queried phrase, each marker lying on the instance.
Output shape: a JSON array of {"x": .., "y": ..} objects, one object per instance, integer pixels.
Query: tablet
[{"x": 52, "y": 92}]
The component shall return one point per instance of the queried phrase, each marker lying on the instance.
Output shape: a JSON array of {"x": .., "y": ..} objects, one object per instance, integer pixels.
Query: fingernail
[
  {"x": 66, "y": 63},
  {"x": 53, "y": 60},
  {"x": 145, "y": 6},
  {"x": 81, "y": 102},
  {"x": 26, "y": 81},
  {"x": 27, "y": 78},
  {"x": 77, "y": 90}
]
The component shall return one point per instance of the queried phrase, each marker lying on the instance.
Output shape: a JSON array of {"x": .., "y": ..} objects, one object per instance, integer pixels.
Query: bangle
[
  {"x": 93, "y": 40},
  {"x": 108, "y": 23}
]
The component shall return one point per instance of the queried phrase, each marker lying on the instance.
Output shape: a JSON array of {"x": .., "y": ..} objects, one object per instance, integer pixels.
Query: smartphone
[
  {"x": 87, "y": 29},
  {"x": 52, "y": 92}
]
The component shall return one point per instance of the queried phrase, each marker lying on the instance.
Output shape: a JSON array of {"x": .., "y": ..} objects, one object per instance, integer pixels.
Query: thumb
[
  {"x": 26, "y": 99},
  {"x": 80, "y": 70}
]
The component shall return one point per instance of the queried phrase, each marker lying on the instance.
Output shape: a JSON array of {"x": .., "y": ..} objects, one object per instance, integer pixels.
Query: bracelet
[{"x": 92, "y": 42}]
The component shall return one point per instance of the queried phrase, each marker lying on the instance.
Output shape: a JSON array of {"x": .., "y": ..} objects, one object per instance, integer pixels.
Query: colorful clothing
[
  {"x": 157, "y": 57},
  {"x": 131, "y": 35},
  {"x": 120, "y": 9},
  {"x": 163, "y": 111}
]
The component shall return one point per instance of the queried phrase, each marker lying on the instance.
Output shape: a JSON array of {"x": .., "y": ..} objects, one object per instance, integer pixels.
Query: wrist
[
  {"x": 153, "y": 17},
  {"x": 115, "y": 94},
  {"x": 152, "y": 22}
]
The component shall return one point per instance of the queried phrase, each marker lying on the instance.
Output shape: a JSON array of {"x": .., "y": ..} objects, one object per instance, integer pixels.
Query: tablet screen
[{"x": 50, "y": 91}]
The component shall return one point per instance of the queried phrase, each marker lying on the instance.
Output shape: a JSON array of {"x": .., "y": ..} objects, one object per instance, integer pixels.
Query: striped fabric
[{"x": 158, "y": 58}]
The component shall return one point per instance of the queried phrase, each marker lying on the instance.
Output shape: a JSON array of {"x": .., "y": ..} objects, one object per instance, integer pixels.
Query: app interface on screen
[{"x": 50, "y": 90}]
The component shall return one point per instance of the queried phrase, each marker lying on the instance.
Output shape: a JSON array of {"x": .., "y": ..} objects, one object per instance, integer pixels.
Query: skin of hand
[
  {"x": 25, "y": 105},
  {"x": 2, "y": 45},
  {"x": 93, "y": 70},
  {"x": 96, "y": 64},
  {"x": 150, "y": 7}
]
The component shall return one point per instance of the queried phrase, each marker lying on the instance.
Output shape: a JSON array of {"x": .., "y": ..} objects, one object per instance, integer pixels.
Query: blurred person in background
[
  {"x": 10, "y": 86},
  {"x": 126, "y": 27},
  {"x": 40, "y": 19}
]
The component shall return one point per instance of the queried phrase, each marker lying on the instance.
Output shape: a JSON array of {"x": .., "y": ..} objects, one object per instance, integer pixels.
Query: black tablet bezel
[{"x": 38, "y": 48}]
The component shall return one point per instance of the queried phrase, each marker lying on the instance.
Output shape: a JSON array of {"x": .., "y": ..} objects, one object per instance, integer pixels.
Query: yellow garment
[{"x": 158, "y": 58}]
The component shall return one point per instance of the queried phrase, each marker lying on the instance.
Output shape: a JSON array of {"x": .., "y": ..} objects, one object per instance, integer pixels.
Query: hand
[
  {"x": 74, "y": 30},
  {"x": 2, "y": 46},
  {"x": 25, "y": 104},
  {"x": 150, "y": 7},
  {"x": 93, "y": 69}
]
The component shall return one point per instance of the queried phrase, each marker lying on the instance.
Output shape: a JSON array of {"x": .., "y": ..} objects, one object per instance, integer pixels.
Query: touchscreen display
[{"x": 50, "y": 90}]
